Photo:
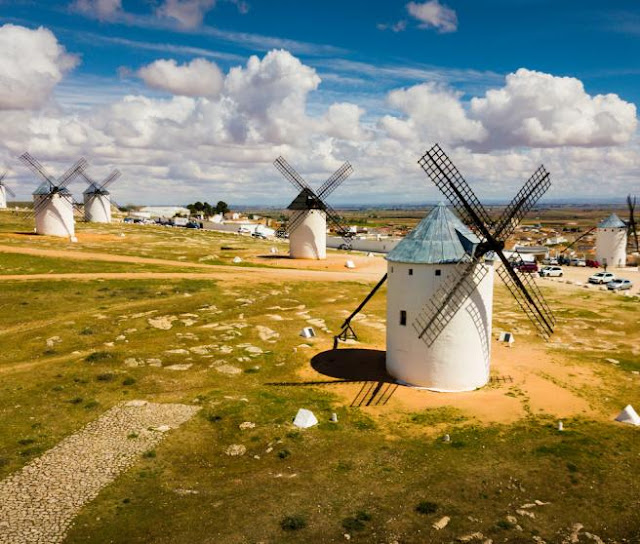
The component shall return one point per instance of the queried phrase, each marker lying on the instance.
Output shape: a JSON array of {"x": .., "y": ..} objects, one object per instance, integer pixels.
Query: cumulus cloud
[
  {"x": 542, "y": 110},
  {"x": 31, "y": 65},
  {"x": 199, "y": 77},
  {"x": 433, "y": 113},
  {"x": 187, "y": 13},
  {"x": 103, "y": 10},
  {"x": 433, "y": 14}
]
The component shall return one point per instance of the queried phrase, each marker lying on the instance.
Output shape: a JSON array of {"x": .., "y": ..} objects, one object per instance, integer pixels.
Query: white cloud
[
  {"x": 433, "y": 113},
  {"x": 433, "y": 14},
  {"x": 542, "y": 110},
  {"x": 187, "y": 13},
  {"x": 196, "y": 78},
  {"x": 103, "y": 10},
  {"x": 31, "y": 64}
]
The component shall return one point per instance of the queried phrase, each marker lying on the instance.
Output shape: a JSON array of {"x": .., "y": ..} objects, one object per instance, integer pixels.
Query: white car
[
  {"x": 551, "y": 272},
  {"x": 619, "y": 284},
  {"x": 602, "y": 277}
]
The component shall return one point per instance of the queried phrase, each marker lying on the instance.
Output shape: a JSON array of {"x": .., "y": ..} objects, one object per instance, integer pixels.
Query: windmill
[
  {"x": 307, "y": 226},
  {"x": 439, "y": 301},
  {"x": 632, "y": 231},
  {"x": 611, "y": 242},
  {"x": 97, "y": 199},
  {"x": 4, "y": 189},
  {"x": 52, "y": 201}
]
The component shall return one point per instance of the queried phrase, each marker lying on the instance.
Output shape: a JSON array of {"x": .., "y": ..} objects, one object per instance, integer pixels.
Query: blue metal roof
[
  {"x": 612, "y": 222},
  {"x": 439, "y": 238}
]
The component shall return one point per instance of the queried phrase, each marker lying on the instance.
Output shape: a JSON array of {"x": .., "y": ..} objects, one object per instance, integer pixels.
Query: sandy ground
[{"x": 367, "y": 268}]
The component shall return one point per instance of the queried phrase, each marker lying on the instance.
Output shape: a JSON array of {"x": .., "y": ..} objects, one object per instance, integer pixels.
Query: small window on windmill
[
  {"x": 403, "y": 318},
  {"x": 410, "y": 271},
  {"x": 438, "y": 272}
]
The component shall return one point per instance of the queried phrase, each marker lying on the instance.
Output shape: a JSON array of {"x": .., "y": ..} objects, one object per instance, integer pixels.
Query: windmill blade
[
  {"x": 633, "y": 231},
  {"x": 528, "y": 296},
  {"x": 334, "y": 218},
  {"x": 8, "y": 189},
  {"x": 70, "y": 174},
  {"x": 4, "y": 175},
  {"x": 446, "y": 177},
  {"x": 526, "y": 199},
  {"x": 578, "y": 239},
  {"x": 90, "y": 181},
  {"x": 294, "y": 221},
  {"x": 110, "y": 179},
  {"x": 33, "y": 164},
  {"x": 78, "y": 208},
  {"x": 335, "y": 180},
  {"x": 289, "y": 173},
  {"x": 448, "y": 299}
]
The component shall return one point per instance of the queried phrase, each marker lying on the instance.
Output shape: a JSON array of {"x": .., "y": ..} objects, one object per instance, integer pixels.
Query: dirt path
[
  {"x": 215, "y": 272},
  {"x": 39, "y": 502}
]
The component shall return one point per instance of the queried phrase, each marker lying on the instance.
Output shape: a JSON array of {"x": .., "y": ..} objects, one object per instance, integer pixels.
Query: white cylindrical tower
[
  {"x": 97, "y": 207},
  {"x": 54, "y": 214},
  {"x": 308, "y": 240},
  {"x": 459, "y": 358},
  {"x": 611, "y": 242},
  {"x": 3, "y": 197}
]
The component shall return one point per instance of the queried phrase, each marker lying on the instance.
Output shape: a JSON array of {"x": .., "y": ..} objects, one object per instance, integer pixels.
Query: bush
[
  {"x": 128, "y": 381},
  {"x": 352, "y": 524},
  {"x": 427, "y": 507},
  {"x": 106, "y": 377},
  {"x": 76, "y": 400},
  {"x": 293, "y": 523},
  {"x": 149, "y": 454},
  {"x": 98, "y": 356},
  {"x": 283, "y": 454}
]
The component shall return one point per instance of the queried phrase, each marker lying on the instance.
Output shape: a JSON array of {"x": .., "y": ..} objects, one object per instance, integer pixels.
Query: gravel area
[{"x": 39, "y": 502}]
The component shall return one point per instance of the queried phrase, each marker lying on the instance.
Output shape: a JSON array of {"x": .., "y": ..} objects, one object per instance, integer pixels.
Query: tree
[{"x": 222, "y": 207}]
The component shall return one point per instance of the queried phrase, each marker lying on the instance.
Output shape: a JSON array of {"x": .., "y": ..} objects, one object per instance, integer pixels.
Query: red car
[{"x": 526, "y": 267}]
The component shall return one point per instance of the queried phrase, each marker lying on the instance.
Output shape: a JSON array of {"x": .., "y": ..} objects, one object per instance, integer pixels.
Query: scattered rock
[
  {"x": 266, "y": 334},
  {"x": 228, "y": 369},
  {"x": 184, "y": 366},
  {"x": 305, "y": 419},
  {"x": 164, "y": 322},
  {"x": 162, "y": 428},
  {"x": 470, "y": 537},
  {"x": 441, "y": 523},
  {"x": 53, "y": 341},
  {"x": 136, "y": 403},
  {"x": 245, "y": 425},
  {"x": 236, "y": 450}
]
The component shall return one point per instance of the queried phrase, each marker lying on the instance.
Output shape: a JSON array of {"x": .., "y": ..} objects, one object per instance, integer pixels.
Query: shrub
[
  {"x": 149, "y": 454},
  {"x": 98, "y": 356},
  {"x": 76, "y": 400},
  {"x": 283, "y": 454},
  {"x": 128, "y": 381},
  {"x": 91, "y": 404},
  {"x": 106, "y": 377},
  {"x": 352, "y": 524},
  {"x": 426, "y": 507},
  {"x": 293, "y": 523}
]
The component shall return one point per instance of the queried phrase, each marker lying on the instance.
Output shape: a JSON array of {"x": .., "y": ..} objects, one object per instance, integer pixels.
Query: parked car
[
  {"x": 550, "y": 261},
  {"x": 593, "y": 264},
  {"x": 619, "y": 284},
  {"x": 260, "y": 235},
  {"x": 602, "y": 277},
  {"x": 192, "y": 225},
  {"x": 346, "y": 247},
  {"x": 551, "y": 272},
  {"x": 526, "y": 266}
]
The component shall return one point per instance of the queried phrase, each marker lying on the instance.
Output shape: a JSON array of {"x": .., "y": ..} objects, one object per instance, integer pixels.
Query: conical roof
[
  {"x": 612, "y": 222},
  {"x": 46, "y": 188},
  {"x": 305, "y": 200},
  {"x": 438, "y": 239}
]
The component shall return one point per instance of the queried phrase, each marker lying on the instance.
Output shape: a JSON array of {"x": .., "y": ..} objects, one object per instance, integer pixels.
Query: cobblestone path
[{"x": 39, "y": 502}]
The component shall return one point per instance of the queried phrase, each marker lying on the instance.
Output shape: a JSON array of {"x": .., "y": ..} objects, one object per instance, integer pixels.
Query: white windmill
[
  {"x": 307, "y": 227},
  {"x": 52, "y": 201},
  {"x": 97, "y": 199},
  {"x": 439, "y": 300},
  {"x": 4, "y": 190},
  {"x": 611, "y": 242}
]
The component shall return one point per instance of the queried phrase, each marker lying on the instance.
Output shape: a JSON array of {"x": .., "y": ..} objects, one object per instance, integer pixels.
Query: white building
[
  {"x": 458, "y": 359},
  {"x": 611, "y": 242},
  {"x": 3, "y": 197},
  {"x": 165, "y": 211},
  {"x": 97, "y": 206},
  {"x": 308, "y": 235},
  {"x": 53, "y": 212}
]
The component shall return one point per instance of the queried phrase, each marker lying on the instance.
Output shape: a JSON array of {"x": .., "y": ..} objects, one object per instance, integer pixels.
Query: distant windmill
[
  {"x": 441, "y": 284},
  {"x": 97, "y": 199},
  {"x": 632, "y": 231},
  {"x": 4, "y": 189},
  {"x": 611, "y": 242},
  {"x": 52, "y": 201},
  {"x": 307, "y": 227}
]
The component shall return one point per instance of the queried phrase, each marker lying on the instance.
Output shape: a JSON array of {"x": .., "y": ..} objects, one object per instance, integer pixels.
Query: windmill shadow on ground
[{"x": 365, "y": 367}]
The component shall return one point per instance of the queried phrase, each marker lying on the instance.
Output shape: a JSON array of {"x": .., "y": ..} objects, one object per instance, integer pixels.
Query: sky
[{"x": 195, "y": 99}]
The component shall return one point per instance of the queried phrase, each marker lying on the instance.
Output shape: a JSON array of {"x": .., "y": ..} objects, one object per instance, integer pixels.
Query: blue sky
[{"x": 362, "y": 52}]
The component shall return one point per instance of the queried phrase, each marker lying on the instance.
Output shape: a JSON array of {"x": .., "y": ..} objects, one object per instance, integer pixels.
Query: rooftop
[
  {"x": 438, "y": 239},
  {"x": 612, "y": 222}
]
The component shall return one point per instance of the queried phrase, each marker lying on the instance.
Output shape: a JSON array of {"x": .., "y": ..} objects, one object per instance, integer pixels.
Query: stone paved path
[{"x": 39, "y": 502}]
